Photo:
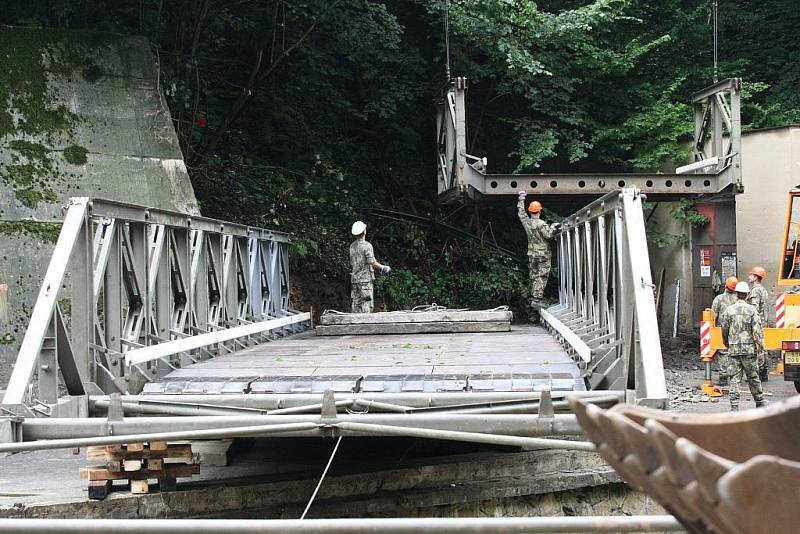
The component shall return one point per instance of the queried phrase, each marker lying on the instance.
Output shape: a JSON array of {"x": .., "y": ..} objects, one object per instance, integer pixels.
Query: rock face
[{"x": 81, "y": 114}]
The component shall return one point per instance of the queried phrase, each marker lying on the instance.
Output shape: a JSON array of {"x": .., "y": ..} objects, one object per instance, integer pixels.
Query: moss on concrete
[
  {"x": 33, "y": 114},
  {"x": 75, "y": 154},
  {"x": 31, "y": 173},
  {"x": 47, "y": 232}
]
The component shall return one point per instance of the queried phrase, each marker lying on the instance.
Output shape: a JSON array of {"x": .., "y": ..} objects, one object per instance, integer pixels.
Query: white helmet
[
  {"x": 742, "y": 287},
  {"x": 358, "y": 228}
]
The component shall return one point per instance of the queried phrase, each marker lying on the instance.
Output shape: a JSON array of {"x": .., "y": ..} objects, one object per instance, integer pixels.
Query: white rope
[{"x": 325, "y": 472}]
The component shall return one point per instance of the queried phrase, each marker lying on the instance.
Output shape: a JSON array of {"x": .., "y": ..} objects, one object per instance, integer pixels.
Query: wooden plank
[
  {"x": 412, "y": 328},
  {"x": 135, "y": 447},
  {"x": 169, "y": 470},
  {"x": 131, "y": 465},
  {"x": 155, "y": 464},
  {"x": 172, "y": 451},
  {"x": 444, "y": 316},
  {"x": 99, "y": 489},
  {"x": 158, "y": 445},
  {"x": 139, "y": 487}
]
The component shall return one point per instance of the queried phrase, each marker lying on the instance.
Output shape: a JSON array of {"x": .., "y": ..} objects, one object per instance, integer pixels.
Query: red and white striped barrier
[
  {"x": 780, "y": 311},
  {"x": 705, "y": 338}
]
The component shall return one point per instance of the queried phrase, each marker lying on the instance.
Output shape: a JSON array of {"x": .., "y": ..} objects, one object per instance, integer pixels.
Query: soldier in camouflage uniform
[
  {"x": 742, "y": 333},
  {"x": 758, "y": 298},
  {"x": 539, "y": 234},
  {"x": 719, "y": 305},
  {"x": 362, "y": 263}
]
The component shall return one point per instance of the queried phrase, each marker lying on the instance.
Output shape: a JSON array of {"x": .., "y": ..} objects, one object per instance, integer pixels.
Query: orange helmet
[
  {"x": 759, "y": 272},
  {"x": 534, "y": 207},
  {"x": 730, "y": 283}
]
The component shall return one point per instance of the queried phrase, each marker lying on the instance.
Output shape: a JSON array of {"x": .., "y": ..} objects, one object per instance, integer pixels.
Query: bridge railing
[
  {"x": 606, "y": 313},
  {"x": 125, "y": 279}
]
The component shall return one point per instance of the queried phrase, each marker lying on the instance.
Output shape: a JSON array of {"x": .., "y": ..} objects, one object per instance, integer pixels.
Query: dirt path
[{"x": 684, "y": 375}]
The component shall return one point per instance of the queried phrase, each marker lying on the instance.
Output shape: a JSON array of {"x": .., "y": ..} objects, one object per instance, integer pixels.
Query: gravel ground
[{"x": 683, "y": 371}]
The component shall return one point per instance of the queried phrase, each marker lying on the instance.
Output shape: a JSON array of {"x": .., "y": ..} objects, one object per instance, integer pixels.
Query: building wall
[{"x": 770, "y": 168}]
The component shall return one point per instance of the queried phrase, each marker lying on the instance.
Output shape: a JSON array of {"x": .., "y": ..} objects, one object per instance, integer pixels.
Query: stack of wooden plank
[
  {"x": 415, "y": 322},
  {"x": 138, "y": 464}
]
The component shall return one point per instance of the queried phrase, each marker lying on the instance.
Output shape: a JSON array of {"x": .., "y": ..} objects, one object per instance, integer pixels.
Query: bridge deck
[{"x": 524, "y": 359}]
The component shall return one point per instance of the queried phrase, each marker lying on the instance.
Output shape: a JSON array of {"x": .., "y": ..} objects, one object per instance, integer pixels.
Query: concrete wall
[
  {"x": 95, "y": 125},
  {"x": 675, "y": 260},
  {"x": 770, "y": 168}
]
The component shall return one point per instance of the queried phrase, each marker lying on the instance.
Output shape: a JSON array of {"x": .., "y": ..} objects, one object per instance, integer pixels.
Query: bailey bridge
[
  {"x": 181, "y": 326},
  {"x": 157, "y": 325}
]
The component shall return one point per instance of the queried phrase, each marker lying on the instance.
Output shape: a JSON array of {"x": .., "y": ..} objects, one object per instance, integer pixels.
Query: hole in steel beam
[
  {"x": 534, "y": 184},
  {"x": 493, "y": 185},
  {"x": 513, "y": 184},
  {"x": 621, "y": 183},
  {"x": 649, "y": 183},
  {"x": 688, "y": 183},
  {"x": 553, "y": 183},
  {"x": 706, "y": 183},
  {"x": 581, "y": 183},
  {"x": 601, "y": 183},
  {"x": 668, "y": 183}
]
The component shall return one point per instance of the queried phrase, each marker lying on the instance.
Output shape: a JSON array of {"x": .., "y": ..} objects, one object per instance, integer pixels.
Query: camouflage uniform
[
  {"x": 539, "y": 233},
  {"x": 741, "y": 330},
  {"x": 361, "y": 275},
  {"x": 719, "y": 305},
  {"x": 758, "y": 297}
]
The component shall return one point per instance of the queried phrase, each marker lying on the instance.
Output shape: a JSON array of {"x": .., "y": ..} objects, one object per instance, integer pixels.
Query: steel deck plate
[{"x": 524, "y": 359}]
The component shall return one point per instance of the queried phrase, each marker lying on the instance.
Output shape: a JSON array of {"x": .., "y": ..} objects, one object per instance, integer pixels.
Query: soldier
[
  {"x": 758, "y": 297},
  {"x": 719, "y": 305},
  {"x": 538, "y": 233},
  {"x": 742, "y": 333},
  {"x": 362, "y": 263}
]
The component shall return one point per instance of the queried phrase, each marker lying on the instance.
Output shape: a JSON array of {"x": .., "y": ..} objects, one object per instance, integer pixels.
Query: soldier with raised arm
[{"x": 539, "y": 234}]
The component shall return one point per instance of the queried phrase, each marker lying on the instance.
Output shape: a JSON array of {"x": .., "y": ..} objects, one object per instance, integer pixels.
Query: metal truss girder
[
  {"x": 657, "y": 185},
  {"x": 716, "y": 109},
  {"x": 143, "y": 277},
  {"x": 606, "y": 311}
]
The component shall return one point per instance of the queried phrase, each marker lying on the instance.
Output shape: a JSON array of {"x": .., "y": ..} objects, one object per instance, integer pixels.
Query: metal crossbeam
[
  {"x": 716, "y": 115},
  {"x": 159, "y": 289},
  {"x": 606, "y": 311}
]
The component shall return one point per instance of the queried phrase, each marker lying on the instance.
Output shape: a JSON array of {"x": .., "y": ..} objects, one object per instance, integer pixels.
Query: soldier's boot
[
  {"x": 764, "y": 375},
  {"x": 761, "y": 403},
  {"x": 734, "y": 407}
]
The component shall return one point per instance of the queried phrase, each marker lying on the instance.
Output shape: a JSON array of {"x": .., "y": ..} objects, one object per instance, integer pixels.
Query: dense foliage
[{"x": 299, "y": 114}]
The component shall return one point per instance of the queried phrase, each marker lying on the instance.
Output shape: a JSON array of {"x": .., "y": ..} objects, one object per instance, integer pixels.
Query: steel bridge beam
[{"x": 716, "y": 116}]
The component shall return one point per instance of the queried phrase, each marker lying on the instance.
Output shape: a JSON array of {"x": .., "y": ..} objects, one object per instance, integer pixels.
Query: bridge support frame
[
  {"x": 123, "y": 278},
  {"x": 606, "y": 313},
  {"x": 718, "y": 168}
]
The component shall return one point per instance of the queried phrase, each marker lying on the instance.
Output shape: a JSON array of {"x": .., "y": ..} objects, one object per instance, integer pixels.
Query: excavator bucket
[{"x": 726, "y": 473}]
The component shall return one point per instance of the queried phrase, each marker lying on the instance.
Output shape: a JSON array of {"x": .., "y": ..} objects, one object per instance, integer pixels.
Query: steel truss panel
[
  {"x": 135, "y": 278},
  {"x": 606, "y": 312},
  {"x": 716, "y": 118}
]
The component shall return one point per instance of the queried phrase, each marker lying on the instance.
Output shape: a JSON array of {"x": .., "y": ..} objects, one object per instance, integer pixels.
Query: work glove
[
  {"x": 521, "y": 195},
  {"x": 557, "y": 227},
  {"x": 386, "y": 269}
]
